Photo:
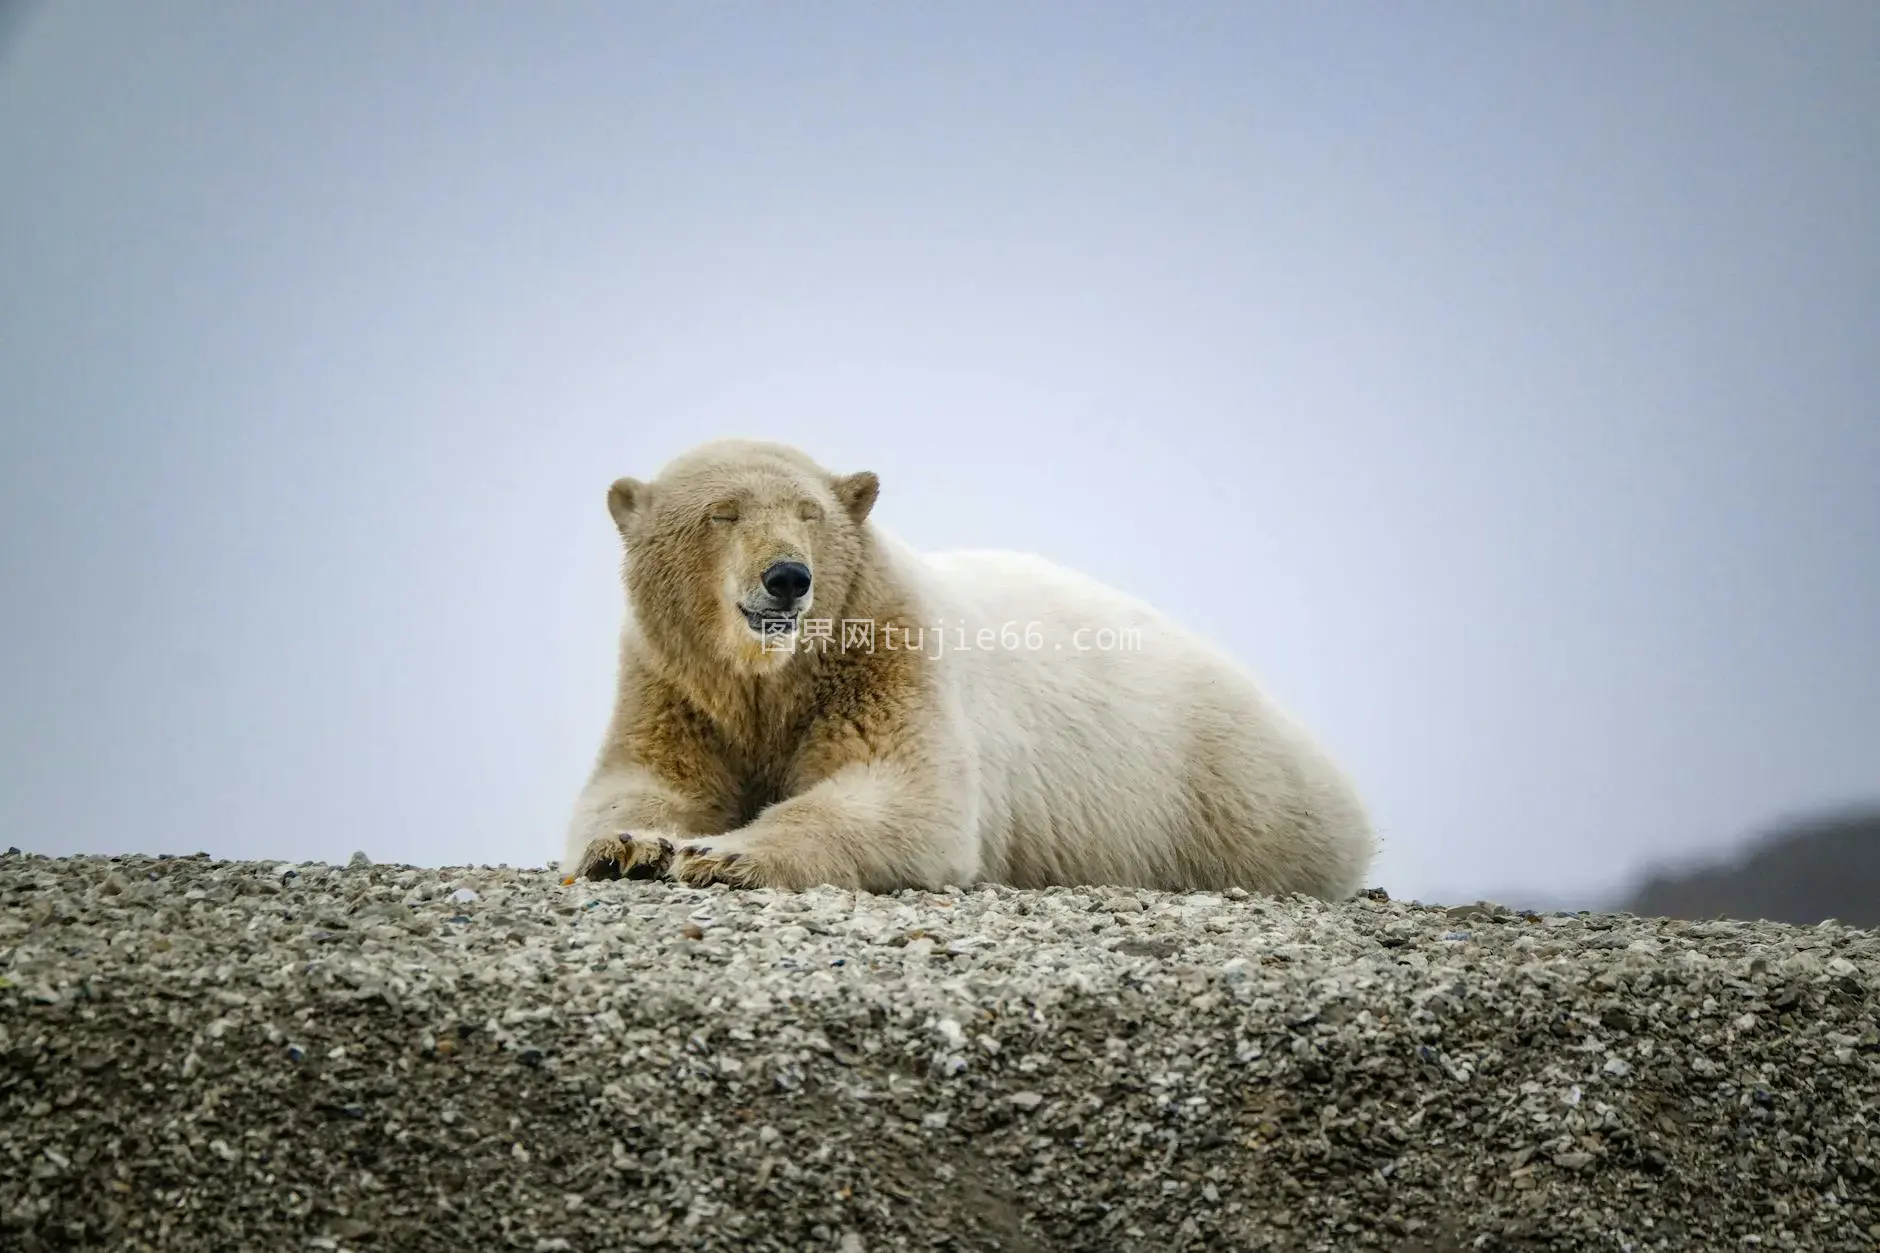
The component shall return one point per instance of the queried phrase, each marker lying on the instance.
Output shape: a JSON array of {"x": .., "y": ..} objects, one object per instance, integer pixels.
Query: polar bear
[{"x": 802, "y": 699}]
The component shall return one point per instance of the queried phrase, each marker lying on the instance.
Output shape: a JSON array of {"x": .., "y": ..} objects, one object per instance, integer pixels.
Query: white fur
[
  {"x": 1034, "y": 754},
  {"x": 1113, "y": 765}
]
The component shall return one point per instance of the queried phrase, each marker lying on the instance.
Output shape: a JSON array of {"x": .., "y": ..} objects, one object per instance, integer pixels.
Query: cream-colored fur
[{"x": 1054, "y": 731}]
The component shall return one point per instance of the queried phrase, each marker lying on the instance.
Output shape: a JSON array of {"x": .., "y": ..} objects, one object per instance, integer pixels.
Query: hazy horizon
[{"x": 1502, "y": 385}]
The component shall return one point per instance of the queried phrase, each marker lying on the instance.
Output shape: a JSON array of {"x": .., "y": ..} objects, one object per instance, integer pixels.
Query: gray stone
[{"x": 193, "y": 1062}]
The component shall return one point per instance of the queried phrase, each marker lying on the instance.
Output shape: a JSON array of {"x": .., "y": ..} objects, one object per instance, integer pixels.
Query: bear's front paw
[
  {"x": 621, "y": 856},
  {"x": 701, "y": 863}
]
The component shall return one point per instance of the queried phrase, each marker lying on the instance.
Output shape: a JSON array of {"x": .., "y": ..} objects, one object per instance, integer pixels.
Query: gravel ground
[{"x": 215, "y": 1055}]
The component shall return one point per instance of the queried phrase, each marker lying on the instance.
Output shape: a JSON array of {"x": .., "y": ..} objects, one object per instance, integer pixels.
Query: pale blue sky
[{"x": 1499, "y": 381}]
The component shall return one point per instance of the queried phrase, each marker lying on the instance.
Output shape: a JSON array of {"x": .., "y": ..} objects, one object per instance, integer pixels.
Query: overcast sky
[{"x": 1501, "y": 382}]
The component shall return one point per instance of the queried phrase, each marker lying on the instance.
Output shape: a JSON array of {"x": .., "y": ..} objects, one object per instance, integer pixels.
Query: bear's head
[{"x": 733, "y": 544}]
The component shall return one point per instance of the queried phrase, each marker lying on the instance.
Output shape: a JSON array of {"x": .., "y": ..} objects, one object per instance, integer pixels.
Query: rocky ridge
[{"x": 214, "y": 1055}]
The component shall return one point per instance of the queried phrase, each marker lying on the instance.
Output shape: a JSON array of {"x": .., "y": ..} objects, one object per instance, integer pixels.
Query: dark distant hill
[{"x": 1824, "y": 866}]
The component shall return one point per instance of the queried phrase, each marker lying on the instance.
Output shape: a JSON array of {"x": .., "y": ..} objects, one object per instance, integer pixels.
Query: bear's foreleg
[
  {"x": 626, "y": 825},
  {"x": 873, "y": 826}
]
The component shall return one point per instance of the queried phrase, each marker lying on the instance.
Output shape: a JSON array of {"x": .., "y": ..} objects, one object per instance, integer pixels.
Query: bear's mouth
[{"x": 769, "y": 622}]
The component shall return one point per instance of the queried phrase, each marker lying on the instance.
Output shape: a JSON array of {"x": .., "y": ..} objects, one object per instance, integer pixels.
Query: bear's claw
[
  {"x": 699, "y": 867},
  {"x": 625, "y": 856}
]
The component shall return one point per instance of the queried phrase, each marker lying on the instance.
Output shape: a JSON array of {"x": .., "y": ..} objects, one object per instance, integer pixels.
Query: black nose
[{"x": 787, "y": 580}]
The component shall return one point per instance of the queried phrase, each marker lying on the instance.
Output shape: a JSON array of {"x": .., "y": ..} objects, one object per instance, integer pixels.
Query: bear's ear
[
  {"x": 623, "y": 498},
  {"x": 857, "y": 493}
]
